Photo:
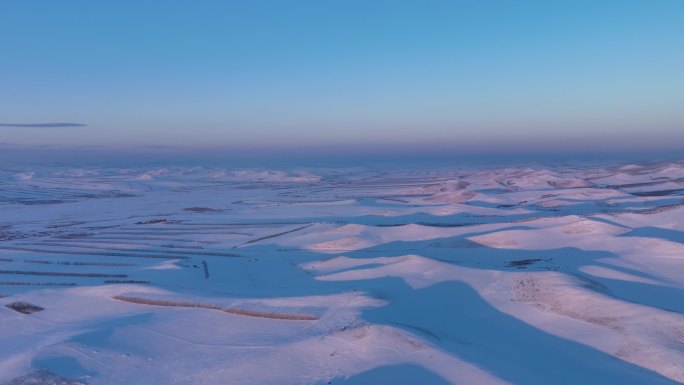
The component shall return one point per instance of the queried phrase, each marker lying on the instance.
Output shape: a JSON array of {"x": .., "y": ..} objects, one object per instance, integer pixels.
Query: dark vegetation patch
[
  {"x": 166, "y": 232},
  {"x": 63, "y": 274},
  {"x": 522, "y": 263},
  {"x": 93, "y": 253},
  {"x": 105, "y": 194},
  {"x": 140, "y": 281},
  {"x": 111, "y": 264},
  {"x": 80, "y": 246},
  {"x": 24, "y": 283},
  {"x": 24, "y": 307},
  {"x": 173, "y": 246},
  {"x": 158, "y": 221},
  {"x": 42, "y": 202},
  {"x": 660, "y": 209},
  {"x": 7, "y": 235},
  {"x": 206, "y": 269},
  {"x": 75, "y": 235},
  {"x": 138, "y": 238},
  {"x": 273, "y": 235},
  {"x": 203, "y": 210},
  {"x": 660, "y": 193}
]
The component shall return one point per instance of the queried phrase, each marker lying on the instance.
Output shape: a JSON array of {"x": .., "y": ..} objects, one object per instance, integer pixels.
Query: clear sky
[{"x": 243, "y": 74}]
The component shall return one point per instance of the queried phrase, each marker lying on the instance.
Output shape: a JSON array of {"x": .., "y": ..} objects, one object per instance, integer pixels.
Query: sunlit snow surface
[{"x": 356, "y": 275}]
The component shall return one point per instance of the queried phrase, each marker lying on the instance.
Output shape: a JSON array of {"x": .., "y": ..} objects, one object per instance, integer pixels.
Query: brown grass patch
[
  {"x": 231, "y": 310},
  {"x": 271, "y": 314},
  {"x": 161, "y": 302}
]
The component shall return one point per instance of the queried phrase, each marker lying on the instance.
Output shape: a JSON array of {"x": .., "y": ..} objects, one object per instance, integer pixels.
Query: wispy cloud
[{"x": 43, "y": 125}]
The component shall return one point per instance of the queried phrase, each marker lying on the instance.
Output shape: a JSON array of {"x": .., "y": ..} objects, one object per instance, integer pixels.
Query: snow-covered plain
[{"x": 422, "y": 275}]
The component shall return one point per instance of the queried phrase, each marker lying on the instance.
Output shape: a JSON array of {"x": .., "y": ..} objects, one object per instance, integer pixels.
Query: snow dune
[{"x": 351, "y": 275}]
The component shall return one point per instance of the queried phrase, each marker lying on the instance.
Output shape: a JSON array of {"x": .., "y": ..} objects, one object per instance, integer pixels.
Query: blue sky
[{"x": 285, "y": 74}]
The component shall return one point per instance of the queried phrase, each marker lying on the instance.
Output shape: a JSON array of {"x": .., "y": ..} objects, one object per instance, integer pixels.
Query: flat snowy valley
[{"x": 540, "y": 275}]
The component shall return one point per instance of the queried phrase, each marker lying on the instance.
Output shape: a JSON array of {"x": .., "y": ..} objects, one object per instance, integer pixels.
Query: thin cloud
[{"x": 43, "y": 125}]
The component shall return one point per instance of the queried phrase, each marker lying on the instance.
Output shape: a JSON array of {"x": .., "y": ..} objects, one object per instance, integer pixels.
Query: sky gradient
[{"x": 295, "y": 74}]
